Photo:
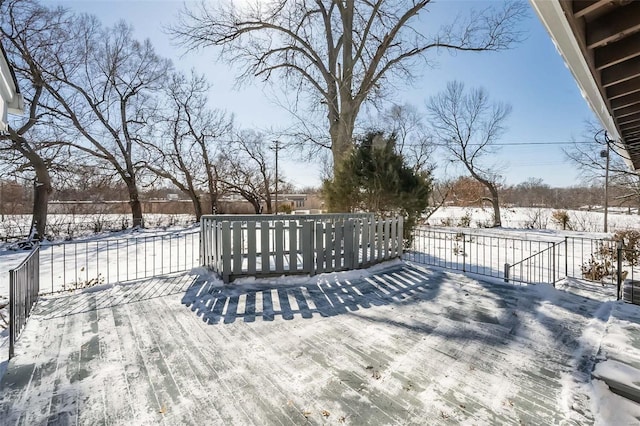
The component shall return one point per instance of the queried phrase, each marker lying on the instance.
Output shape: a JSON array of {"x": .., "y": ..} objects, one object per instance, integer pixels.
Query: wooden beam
[
  {"x": 626, "y": 111},
  {"x": 631, "y": 99},
  {"x": 621, "y": 72},
  {"x": 624, "y": 88},
  {"x": 629, "y": 127},
  {"x": 620, "y": 51},
  {"x": 618, "y": 23},
  {"x": 584, "y": 7},
  {"x": 629, "y": 119},
  {"x": 632, "y": 135},
  {"x": 632, "y": 149}
]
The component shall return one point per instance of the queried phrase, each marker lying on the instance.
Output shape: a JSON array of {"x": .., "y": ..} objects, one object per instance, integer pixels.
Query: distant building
[{"x": 11, "y": 101}]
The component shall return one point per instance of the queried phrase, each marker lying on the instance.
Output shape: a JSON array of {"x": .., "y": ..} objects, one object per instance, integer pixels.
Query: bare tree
[
  {"x": 187, "y": 152},
  {"x": 336, "y": 55},
  {"x": 468, "y": 125},
  {"x": 590, "y": 157},
  {"x": 248, "y": 170},
  {"x": 413, "y": 140},
  {"x": 27, "y": 136},
  {"x": 102, "y": 83}
]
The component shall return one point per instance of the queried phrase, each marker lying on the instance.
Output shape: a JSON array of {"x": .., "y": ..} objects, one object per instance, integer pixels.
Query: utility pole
[
  {"x": 276, "y": 147},
  {"x": 605, "y": 154}
]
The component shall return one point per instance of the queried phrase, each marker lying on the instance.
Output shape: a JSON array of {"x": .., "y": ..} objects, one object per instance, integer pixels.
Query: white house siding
[{"x": 10, "y": 99}]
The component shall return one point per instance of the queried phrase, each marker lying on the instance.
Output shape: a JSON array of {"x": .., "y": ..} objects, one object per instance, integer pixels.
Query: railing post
[
  {"x": 307, "y": 247},
  {"x": 12, "y": 313},
  {"x": 506, "y": 272},
  {"x": 400, "y": 236},
  {"x": 319, "y": 247},
  {"x": 553, "y": 265},
  {"x": 226, "y": 251},
  {"x": 464, "y": 252},
  {"x": 619, "y": 272},
  {"x": 566, "y": 257},
  {"x": 202, "y": 252}
]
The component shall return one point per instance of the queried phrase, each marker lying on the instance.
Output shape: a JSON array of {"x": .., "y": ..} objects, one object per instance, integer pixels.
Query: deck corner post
[{"x": 619, "y": 271}]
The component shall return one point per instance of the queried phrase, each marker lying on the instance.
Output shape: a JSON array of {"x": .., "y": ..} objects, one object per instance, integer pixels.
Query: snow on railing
[{"x": 265, "y": 245}]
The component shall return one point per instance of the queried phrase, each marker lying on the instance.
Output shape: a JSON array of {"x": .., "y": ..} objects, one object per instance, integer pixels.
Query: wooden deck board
[{"x": 404, "y": 346}]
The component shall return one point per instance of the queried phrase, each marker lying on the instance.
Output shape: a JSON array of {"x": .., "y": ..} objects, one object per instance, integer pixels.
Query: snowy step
[{"x": 621, "y": 378}]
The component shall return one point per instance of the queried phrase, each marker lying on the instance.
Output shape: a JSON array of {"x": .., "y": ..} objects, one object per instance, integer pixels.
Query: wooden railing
[{"x": 269, "y": 245}]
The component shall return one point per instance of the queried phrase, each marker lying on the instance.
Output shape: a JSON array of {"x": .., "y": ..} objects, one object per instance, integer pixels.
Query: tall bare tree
[
  {"x": 186, "y": 154},
  {"x": 28, "y": 136},
  {"x": 468, "y": 125},
  {"x": 102, "y": 83},
  {"x": 339, "y": 54}
]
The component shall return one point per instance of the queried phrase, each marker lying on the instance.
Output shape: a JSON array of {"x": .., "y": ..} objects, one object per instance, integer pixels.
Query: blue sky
[{"x": 547, "y": 104}]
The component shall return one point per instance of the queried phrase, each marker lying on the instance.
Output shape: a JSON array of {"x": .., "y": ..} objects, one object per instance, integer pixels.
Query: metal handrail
[
  {"x": 24, "y": 285},
  {"x": 555, "y": 244},
  {"x": 552, "y": 267}
]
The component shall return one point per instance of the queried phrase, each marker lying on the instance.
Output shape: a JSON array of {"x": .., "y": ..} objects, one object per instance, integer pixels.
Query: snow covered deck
[{"x": 397, "y": 344}]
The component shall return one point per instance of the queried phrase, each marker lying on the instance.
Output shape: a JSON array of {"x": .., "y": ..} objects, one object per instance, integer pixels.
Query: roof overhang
[
  {"x": 600, "y": 43},
  {"x": 11, "y": 101}
]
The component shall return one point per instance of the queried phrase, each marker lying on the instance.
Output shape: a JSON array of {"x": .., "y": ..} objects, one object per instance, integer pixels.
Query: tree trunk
[
  {"x": 213, "y": 202},
  {"x": 42, "y": 186},
  {"x": 341, "y": 132},
  {"x": 41, "y": 191},
  {"x": 495, "y": 202},
  {"x": 197, "y": 207},
  {"x": 268, "y": 202},
  {"x": 135, "y": 204},
  {"x": 213, "y": 191},
  {"x": 256, "y": 205}
]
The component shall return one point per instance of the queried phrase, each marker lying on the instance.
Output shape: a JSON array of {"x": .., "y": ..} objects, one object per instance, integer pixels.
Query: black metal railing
[
  {"x": 79, "y": 264},
  {"x": 628, "y": 274},
  {"x": 544, "y": 267},
  {"x": 471, "y": 251},
  {"x": 532, "y": 258},
  {"x": 24, "y": 286}
]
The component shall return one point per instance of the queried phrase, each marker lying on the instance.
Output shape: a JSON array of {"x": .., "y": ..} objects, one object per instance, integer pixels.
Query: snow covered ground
[
  {"x": 574, "y": 326},
  {"x": 536, "y": 218},
  {"x": 101, "y": 259},
  {"x": 69, "y": 226},
  {"x": 395, "y": 344}
]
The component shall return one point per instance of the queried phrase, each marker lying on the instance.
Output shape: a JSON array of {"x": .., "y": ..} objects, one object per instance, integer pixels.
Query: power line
[{"x": 505, "y": 143}]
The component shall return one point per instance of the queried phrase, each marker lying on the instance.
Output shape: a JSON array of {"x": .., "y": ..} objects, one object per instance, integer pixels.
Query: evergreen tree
[{"x": 375, "y": 178}]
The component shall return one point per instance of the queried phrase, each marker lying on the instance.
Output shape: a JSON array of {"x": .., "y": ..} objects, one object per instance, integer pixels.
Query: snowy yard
[
  {"x": 395, "y": 344},
  {"x": 523, "y": 219}
]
